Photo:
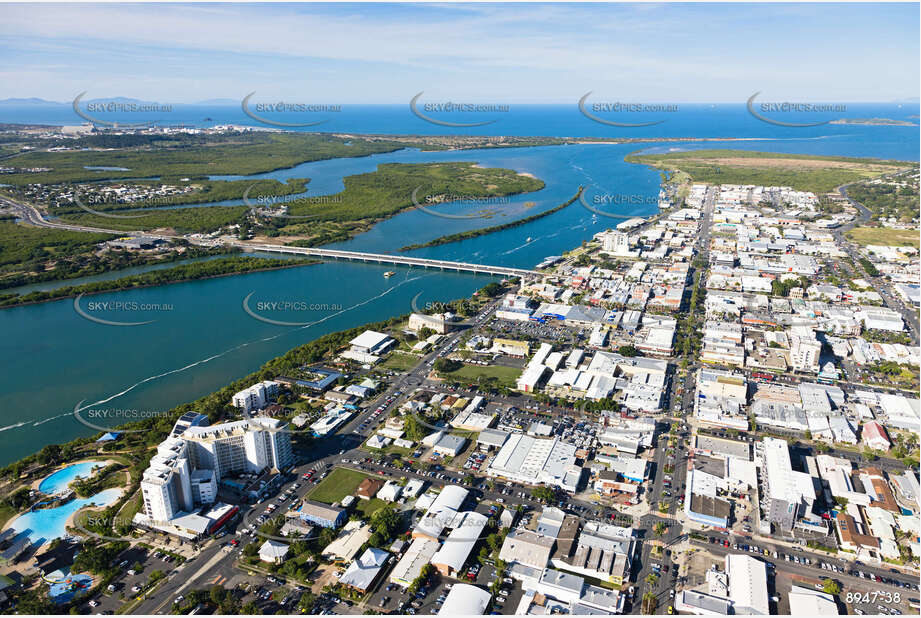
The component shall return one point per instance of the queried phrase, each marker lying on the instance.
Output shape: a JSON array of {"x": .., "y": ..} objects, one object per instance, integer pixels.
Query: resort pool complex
[
  {"x": 44, "y": 525},
  {"x": 59, "y": 481}
]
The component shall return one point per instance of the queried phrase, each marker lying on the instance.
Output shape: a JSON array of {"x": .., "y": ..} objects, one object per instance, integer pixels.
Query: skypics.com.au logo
[
  {"x": 109, "y": 419},
  {"x": 422, "y": 203},
  {"x": 261, "y": 111},
  {"x": 600, "y": 201},
  {"x": 96, "y": 111},
  {"x": 619, "y": 107},
  {"x": 787, "y": 107},
  {"x": 276, "y": 206},
  {"x": 114, "y": 307},
  {"x": 424, "y": 110},
  {"x": 293, "y": 307}
]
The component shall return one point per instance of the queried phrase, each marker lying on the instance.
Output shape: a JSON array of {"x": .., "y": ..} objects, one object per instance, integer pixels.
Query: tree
[
  {"x": 413, "y": 428},
  {"x": 425, "y": 332},
  {"x": 650, "y": 602},
  {"x": 447, "y": 365},
  {"x": 384, "y": 521},
  {"x": 307, "y": 601},
  {"x": 830, "y": 586},
  {"x": 544, "y": 494},
  {"x": 628, "y": 350},
  {"x": 652, "y": 579},
  {"x": 659, "y": 528}
]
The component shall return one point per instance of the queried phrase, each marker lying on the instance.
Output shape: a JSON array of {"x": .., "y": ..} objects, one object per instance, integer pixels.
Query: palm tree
[
  {"x": 659, "y": 528},
  {"x": 651, "y": 579},
  {"x": 649, "y": 603}
]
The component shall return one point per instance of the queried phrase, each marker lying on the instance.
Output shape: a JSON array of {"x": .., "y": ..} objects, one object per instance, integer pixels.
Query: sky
[{"x": 488, "y": 53}]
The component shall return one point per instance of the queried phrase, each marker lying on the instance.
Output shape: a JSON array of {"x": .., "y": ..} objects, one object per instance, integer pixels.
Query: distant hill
[
  {"x": 29, "y": 101},
  {"x": 219, "y": 102}
]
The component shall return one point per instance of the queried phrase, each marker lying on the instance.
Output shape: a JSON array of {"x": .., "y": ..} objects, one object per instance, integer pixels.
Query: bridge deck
[{"x": 384, "y": 258}]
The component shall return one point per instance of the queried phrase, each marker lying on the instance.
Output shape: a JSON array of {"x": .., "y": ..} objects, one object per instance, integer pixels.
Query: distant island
[{"x": 874, "y": 121}]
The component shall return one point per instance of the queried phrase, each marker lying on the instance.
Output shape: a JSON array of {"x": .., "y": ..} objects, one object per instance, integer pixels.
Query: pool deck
[
  {"x": 71, "y": 519},
  {"x": 100, "y": 463}
]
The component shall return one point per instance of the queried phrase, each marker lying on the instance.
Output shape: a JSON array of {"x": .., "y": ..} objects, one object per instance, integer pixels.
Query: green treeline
[
  {"x": 443, "y": 240},
  {"x": 182, "y": 220},
  {"x": 184, "y": 272},
  {"x": 246, "y": 153}
]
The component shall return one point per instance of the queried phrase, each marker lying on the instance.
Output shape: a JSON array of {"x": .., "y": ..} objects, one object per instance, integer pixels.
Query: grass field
[
  {"x": 506, "y": 376},
  {"x": 819, "y": 174},
  {"x": 884, "y": 236},
  {"x": 400, "y": 362},
  {"x": 366, "y": 507},
  {"x": 340, "y": 483}
]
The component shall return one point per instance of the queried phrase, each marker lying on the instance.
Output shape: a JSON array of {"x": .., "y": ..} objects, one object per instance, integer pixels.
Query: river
[{"x": 201, "y": 338}]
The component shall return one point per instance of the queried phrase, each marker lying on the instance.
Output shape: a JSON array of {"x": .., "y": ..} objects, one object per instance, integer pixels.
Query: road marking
[{"x": 204, "y": 569}]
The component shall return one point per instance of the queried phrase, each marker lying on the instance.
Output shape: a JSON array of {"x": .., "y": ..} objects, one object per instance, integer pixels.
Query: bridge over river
[
  {"x": 386, "y": 258},
  {"x": 32, "y": 215}
]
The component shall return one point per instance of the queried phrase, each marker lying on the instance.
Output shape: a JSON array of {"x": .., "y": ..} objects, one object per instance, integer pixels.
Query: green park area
[
  {"x": 503, "y": 376},
  {"x": 884, "y": 236},
  {"x": 343, "y": 482}
]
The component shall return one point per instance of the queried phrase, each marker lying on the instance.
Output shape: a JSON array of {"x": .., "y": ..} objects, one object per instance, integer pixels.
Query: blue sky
[{"x": 534, "y": 53}]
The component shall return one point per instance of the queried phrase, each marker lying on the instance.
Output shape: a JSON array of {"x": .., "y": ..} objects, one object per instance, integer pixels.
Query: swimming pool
[
  {"x": 63, "y": 477},
  {"x": 62, "y": 586},
  {"x": 45, "y": 525}
]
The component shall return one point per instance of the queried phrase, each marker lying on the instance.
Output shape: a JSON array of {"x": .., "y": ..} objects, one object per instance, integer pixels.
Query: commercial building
[
  {"x": 327, "y": 424},
  {"x": 364, "y": 571},
  {"x": 874, "y": 436},
  {"x": 809, "y": 602},
  {"x": 441, "y": 513},
  {"x": 368, "y": 347},
  {"x": 465, "y": 600},
  {"x": 349, "y": 542},
  {"x": 790, "y": 493},
  {"x": 322, "y": 515},
  {"x": 600, "y": 551},
  {"x": 437, "y": 322},
  {"x": 418, "y": 555},
  {"x": 535, "y": 461},
  {"x": 525, "y": 547},
  {"x": 747, "y": 585},
  {"x": 273, "y": 552},
  {"x": 454, "y": 552}
]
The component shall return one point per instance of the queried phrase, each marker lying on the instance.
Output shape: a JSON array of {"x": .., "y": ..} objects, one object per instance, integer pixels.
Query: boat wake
[{"x": 227, "y": 351}]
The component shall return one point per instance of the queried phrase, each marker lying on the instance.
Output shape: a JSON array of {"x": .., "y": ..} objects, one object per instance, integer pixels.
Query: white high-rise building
[
  {"x": 805, "y": 353},
  {"x": 616, "y": 243},
  {"x": 250, "y": 445},
  {"x": 256, "y": 396},
  {"x": 186, "y": 470},
  {"x": 166, "y": 484}
]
